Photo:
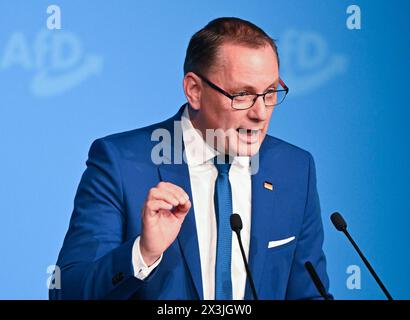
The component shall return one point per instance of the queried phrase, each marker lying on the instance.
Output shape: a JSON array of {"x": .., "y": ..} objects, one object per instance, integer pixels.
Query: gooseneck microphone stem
[
  {"x": 248, "y": 272},
  {"x": 341, "y": 225},
  {"x": 236, "y": 226},
  {"x": 369, "y": 267},
  {"x": 316, "y": 280}
]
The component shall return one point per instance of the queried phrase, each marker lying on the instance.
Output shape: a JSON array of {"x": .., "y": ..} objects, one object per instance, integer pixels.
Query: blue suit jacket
[{"x": 96, "y": 262}]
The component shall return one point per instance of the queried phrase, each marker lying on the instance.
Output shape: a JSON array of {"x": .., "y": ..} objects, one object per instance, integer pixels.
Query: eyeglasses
[{"x": 244, "y": 100}]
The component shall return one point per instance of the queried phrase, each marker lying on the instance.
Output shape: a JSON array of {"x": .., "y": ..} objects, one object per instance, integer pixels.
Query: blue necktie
[{"x": 223, "y": 211}]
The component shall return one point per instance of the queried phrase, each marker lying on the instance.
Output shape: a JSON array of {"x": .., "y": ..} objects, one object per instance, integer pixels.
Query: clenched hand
[{"x": 162, "y": 215}]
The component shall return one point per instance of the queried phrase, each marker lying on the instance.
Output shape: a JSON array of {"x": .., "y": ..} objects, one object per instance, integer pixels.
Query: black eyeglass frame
[{"x": 256, "y": 95}]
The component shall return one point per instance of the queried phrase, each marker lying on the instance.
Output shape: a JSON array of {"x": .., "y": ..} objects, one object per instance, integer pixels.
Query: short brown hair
[{"x": 204, "y": 44}]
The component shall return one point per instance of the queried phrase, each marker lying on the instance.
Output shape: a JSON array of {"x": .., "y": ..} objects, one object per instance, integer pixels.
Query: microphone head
[
  {"x": 338, "y": 221},
  {"x": 236, "y": 222}
]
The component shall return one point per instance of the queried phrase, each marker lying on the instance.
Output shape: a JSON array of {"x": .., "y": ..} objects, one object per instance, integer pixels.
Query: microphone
[
  {"x": 316, "y": 280},
  {"x": 341, "y": 225},
  {"x": 236, "y": 226}
]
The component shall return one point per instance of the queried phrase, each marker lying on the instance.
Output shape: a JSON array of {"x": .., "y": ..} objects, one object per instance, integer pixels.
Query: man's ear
[{"x": 193, "y": 90}]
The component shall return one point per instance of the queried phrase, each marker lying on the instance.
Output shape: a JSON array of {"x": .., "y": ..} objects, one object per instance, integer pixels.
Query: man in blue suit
[{"x": 151, "y": 213}]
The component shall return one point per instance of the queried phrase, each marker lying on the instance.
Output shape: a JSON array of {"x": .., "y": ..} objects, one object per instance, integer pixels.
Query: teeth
[
  {"x": 242, "y": 129},
  {"x": 247, "y": 131}
]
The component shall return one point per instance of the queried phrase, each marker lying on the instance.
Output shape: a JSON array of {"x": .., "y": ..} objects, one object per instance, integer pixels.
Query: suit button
[{"x": 117, "y": 278}]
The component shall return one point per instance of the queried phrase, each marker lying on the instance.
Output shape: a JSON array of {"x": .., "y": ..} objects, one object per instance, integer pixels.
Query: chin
[{"x": 245, "y": 150}]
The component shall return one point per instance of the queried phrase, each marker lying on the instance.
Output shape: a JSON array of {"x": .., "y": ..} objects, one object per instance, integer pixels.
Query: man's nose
[{"x": 258, "y": 110}]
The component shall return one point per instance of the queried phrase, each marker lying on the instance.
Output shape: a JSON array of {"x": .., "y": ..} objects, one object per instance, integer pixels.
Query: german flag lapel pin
[{"x": 268, "y": 185}]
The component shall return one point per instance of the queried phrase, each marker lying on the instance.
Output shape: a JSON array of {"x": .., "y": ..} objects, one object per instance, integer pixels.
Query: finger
[
  {"x": 163, "y": 194},
  {"x": 177, "y": 191},
  {"x": 156, "y": 205},
  {"x": 182, "y": 210}
]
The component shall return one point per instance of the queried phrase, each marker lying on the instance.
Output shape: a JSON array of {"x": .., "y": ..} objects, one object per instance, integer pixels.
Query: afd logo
[
  {"x": 307, "y": 61},
  {"x": 56, "y": 58}
]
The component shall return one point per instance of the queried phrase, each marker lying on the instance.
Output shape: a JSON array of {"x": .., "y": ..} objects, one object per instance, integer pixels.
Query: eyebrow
[{"x": 253, "y": 89}]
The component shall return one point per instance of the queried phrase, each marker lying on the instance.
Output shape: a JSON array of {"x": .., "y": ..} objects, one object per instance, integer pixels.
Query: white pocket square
[{"x": 277, "y": 243}]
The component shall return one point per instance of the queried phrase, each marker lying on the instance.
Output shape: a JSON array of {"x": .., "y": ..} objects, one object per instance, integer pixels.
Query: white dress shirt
[{"x": 203, "y": 174}]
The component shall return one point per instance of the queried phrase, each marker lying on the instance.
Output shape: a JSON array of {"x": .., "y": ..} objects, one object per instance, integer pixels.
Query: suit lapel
[
  {"x": 263, "y": 211},
  {"x": 187, "y": 238}
]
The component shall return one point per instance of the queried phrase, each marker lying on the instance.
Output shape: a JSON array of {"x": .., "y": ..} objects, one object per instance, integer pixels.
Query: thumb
[{"x": 181, "y": 211}]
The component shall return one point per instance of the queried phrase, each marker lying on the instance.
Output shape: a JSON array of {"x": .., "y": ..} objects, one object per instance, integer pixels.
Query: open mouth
[
  {"x": 248, "y": 131},
  {"x": 249, "y": 136}
]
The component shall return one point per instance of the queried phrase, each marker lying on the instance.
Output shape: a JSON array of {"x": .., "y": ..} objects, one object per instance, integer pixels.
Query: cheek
[
  {"x": 268, "y": 118},
  {"x": 217, "y": 114},
  {"x": 230, "y": 119}
]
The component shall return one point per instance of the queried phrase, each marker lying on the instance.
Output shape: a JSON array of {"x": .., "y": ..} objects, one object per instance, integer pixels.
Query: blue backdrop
[{"x": 117, "y": 65}]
